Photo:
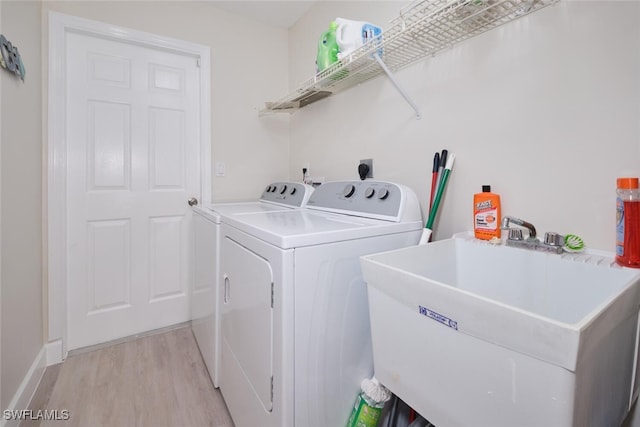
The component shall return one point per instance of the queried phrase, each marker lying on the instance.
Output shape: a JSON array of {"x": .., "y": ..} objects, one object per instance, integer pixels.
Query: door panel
[
  {"x": 165, "y": 264},
  {"x": 166, "y": 143},
  {"x": 109, "y": 269},
  {"x": 133, "y": 162},
  {"x": 109, "y": 146}
]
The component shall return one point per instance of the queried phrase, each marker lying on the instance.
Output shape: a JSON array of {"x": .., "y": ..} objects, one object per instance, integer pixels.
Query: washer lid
[
  {"x": 217, "y": 211},
  {"x": 303, "y": 227},
  {"x": 276, "y": 196},
  {"x": 214, "y": 211},
  {"x": 207, "y": 212}
]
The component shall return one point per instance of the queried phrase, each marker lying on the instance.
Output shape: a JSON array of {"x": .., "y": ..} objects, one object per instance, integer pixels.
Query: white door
[{"x": 132, "y": 163}]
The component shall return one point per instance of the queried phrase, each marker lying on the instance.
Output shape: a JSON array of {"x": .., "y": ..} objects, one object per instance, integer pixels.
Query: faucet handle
[
  {"x": 553, "y": 239},
  {"x": 515, "y": 234}
]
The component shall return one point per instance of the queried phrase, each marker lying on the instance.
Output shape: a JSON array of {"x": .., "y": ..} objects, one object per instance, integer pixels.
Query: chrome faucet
[
  {"x": 506, "y": 220},
  {"x": 553, "y": 242}
]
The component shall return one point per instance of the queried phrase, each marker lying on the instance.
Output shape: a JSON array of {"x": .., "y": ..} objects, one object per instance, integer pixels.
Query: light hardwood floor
[{"x": 158, "y": 380}]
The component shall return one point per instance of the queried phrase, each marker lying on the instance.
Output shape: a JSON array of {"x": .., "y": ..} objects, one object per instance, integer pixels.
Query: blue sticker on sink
[{"x": 438, "y": 317}]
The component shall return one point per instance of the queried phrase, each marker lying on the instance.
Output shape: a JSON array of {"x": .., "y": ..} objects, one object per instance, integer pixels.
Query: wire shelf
[{"x": 423, "y": 28}]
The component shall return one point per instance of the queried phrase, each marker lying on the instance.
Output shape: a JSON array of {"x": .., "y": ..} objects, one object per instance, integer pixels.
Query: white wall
[
  {"x": 544, "y": 109},
  {"x": 22, "y": 326},
  {"x": 249, "y": 66}
]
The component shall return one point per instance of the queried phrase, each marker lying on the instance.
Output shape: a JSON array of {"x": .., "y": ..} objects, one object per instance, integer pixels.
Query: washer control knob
[
  {"x": 383, "y": 194},
  {"x": 349, "y": 190},
  {"x": 293, "y": 191},
  {"x": 283, "y": 189},
  {"x": 273, "y": 188},
  {"x": 268, "y": 189},
  {"x": 369, "y": 192}
]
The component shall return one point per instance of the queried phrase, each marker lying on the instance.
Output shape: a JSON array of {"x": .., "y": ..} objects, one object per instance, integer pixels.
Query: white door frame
[
  {"x": 59, "y": 26},
  {"x": 1, "y": 145}
]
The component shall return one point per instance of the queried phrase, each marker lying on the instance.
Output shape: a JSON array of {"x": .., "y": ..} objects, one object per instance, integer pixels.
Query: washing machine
[
  {"x": 296, "y": 341},
  {"x": 205, "y": 311}
]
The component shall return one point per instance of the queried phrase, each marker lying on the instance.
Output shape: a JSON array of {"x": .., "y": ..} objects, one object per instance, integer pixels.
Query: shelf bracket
[{"x": 397, "y": 86}]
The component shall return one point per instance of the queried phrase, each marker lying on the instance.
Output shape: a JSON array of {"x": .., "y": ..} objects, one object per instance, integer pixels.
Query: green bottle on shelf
[{"x": 327, "y": 48}]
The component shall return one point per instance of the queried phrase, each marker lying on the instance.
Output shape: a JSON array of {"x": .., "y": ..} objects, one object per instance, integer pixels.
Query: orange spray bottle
[{"x": 486, "y": 214}]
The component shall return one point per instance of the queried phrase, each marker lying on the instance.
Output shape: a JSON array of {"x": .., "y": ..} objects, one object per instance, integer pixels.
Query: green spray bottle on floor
[
  {"x": 369, "y": 403},
  {"x": 327, "y": 48}
]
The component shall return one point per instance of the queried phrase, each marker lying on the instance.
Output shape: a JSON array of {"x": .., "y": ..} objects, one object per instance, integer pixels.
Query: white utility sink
[{"x": 474, "y": 334}]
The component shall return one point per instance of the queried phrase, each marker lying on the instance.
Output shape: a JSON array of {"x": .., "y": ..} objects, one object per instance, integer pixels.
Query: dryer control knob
[
  {"x": 383, "y": 194},
  {"x": 266, "y": 190},
  {"x": 349, "y": 190},
  {"x": 369, "y": 192},
  {"x": 283, "y": 189},
  {"x": 293, "y": 191}
]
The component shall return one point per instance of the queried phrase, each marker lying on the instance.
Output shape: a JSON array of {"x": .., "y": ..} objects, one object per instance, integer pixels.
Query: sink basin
[{"x": 470, "y": 333}]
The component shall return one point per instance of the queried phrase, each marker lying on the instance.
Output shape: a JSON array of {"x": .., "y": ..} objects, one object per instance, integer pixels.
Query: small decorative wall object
[{"x": 10, "y": 58}]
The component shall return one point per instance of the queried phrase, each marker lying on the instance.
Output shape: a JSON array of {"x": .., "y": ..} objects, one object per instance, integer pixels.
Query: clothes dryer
[
  {"x": 295, "y": 330},
  {"x": 205, "y": 311}
]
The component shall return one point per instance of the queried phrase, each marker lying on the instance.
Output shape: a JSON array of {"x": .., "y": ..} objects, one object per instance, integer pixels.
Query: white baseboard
[
  {"x": 27, "y": 388},
  {"x": 54, "y": 352}
]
